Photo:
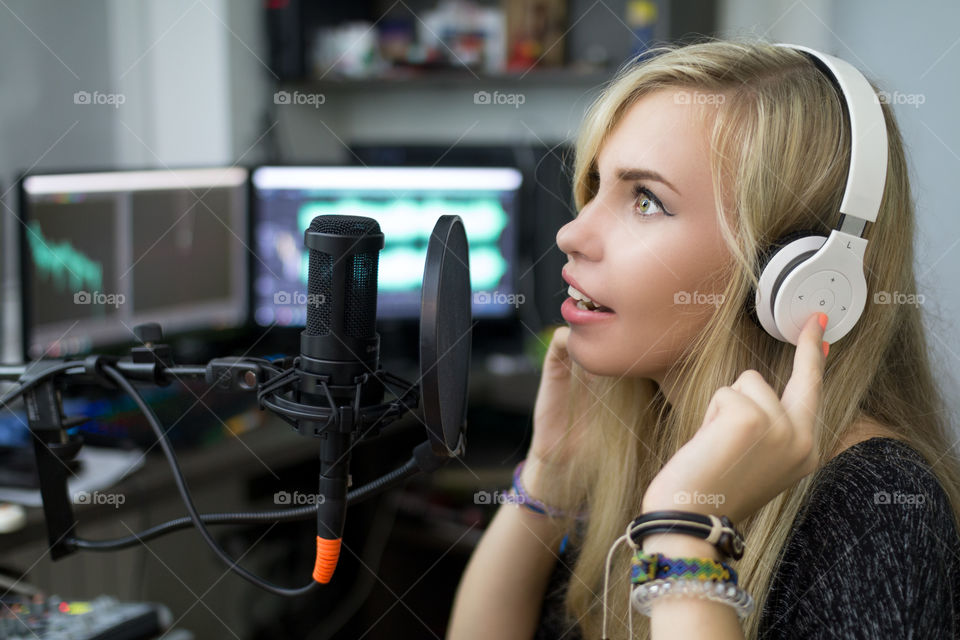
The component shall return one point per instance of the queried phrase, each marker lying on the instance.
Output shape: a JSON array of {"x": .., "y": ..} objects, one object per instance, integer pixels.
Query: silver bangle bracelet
[{"x": 644, "y": 594}]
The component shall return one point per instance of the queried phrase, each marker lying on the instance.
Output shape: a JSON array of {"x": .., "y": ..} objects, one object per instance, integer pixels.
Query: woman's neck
[{"x": 862, "y": 430}]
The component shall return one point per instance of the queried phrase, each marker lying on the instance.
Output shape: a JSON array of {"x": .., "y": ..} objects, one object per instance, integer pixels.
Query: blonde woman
[{"x": 835, "y": 465}]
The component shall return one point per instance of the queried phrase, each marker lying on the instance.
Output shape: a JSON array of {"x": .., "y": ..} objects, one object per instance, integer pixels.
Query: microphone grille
[
  {"x": 360, "y": 285},
  {"x": 344, "y": 225}
]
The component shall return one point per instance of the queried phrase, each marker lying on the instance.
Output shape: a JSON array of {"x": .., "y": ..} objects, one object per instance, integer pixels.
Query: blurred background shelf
[{"x": 457, "y": 79}]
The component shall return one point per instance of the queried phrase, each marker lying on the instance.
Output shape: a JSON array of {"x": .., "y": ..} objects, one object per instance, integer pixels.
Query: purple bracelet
[{"x": 532, "y": 503}]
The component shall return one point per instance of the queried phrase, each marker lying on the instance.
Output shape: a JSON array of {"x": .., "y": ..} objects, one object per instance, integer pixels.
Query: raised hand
[{"x": 752, "y": 445}]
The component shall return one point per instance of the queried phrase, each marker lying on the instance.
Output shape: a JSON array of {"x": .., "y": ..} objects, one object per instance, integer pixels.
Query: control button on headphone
[
  {"x": 824, "y": 300},
  {"x": 821, "y": 300},
  {"x": 823, "y": 291}
]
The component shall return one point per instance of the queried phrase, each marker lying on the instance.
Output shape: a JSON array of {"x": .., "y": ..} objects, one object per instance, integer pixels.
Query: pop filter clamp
[{"x": 445, "y": 350}]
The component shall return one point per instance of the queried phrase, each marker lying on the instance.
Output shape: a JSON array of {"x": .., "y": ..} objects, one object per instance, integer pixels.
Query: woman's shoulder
[
  {"x": 876, "y": 449},
  {"x": 885, "y": 464},
  {"x": 875, "y": 544},
  {"x": 878, "y": 484}
]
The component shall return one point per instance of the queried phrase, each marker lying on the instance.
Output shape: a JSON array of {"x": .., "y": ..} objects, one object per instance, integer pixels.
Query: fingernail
[
  {"x": 823, "y": 321},
  {"x": 826, "y": 348}
]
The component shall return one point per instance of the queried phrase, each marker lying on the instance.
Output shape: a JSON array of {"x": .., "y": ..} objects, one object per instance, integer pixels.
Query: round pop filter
[{"x": 445, "y": 336}]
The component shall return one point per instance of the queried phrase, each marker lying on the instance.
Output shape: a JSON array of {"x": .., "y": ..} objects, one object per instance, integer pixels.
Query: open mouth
[{"x": 584, "y": 302}]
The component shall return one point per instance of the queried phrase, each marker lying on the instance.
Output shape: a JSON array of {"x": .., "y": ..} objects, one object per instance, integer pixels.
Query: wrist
[
  {"x": 676, "y": 545},
  {"x": 530, "y": 476}
]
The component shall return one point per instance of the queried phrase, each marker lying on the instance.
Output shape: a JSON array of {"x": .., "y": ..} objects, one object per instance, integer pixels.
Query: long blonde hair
[{"x": 780, "y": 152}]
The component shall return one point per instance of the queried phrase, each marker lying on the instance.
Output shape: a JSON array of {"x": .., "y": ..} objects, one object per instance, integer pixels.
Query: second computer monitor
[
  {"x": 105, "y": 251},
  {"x": 406, "y": 202}
]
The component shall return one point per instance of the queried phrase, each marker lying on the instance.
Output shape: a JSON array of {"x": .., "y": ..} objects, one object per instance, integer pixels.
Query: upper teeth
[{"x": 579, "y": 295}]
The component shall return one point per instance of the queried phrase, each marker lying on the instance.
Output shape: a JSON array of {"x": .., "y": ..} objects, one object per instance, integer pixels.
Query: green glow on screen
[
  {"x": 60, "y": 262},
  {"x": 407, "y": 223}
]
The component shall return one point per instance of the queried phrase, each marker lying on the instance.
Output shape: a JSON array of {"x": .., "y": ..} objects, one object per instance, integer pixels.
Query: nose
[{"x": 580, "y": 236}]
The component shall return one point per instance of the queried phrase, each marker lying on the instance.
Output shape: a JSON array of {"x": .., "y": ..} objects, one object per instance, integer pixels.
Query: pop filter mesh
[
  {"x": 360, "y": 288},
  {"x": 445, "y": 326},
  {"x": 453, "y": 341}
]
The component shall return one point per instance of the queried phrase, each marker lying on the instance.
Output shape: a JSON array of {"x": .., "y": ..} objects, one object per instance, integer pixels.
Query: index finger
[{"x": 801, "y": 396}]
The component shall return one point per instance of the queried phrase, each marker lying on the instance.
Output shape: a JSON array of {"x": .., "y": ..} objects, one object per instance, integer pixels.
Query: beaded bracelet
[
  {"x": 643, "y": 595},
  {"x": 532, "y": 503},
  {"x": 655, "y": 566}
]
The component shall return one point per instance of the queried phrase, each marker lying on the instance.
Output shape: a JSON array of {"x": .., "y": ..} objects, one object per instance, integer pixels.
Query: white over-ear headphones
[{"x": 803, "y": 272}]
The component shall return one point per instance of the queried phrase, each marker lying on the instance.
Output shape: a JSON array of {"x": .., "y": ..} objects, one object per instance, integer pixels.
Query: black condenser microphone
[
  {"x": 340, "y": 340},
  {"x": 338, "y": 346}
]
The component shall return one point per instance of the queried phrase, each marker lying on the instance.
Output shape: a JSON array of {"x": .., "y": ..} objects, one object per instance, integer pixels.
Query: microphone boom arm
[{"x": 40, "y": 383}]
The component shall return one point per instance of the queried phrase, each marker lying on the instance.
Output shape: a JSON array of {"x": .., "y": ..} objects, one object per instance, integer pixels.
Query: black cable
[
  {"x": 12, "y": 395},
  {"x": 151, "y": 417},
  {"x": 23, "y": 388},
  {"x": 278, "y": 381},
  {"x": 408, "y": 469},
  {"x": 264, "y": 362},
  {"x": 289, "y": 515}
]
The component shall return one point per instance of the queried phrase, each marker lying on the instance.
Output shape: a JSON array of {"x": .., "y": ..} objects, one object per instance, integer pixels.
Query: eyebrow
[{"x": 643, "y": 174}]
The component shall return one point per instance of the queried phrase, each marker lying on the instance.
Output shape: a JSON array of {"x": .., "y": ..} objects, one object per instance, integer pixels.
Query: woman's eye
[{"x": 647, "y": 204}]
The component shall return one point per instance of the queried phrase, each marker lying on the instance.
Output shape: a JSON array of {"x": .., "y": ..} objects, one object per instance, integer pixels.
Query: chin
[
  {"x": 599, "y": 363},
  {"x": 594, "y": 362}
]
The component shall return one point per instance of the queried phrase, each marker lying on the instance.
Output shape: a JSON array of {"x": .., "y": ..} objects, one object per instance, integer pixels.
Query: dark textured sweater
[{"x": 873, "y": 554}]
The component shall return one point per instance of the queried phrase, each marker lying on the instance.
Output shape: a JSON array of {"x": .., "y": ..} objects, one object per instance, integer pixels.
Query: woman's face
[{"x": 657, "y": 272}]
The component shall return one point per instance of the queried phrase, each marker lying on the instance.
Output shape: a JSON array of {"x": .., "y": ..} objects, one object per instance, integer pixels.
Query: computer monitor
[
  {"x": 102, "y": 252},
  {"x": 406, "y": 202}
]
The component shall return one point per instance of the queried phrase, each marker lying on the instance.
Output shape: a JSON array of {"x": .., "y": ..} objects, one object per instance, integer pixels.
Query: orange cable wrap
[{"x": 328, "y": 551}]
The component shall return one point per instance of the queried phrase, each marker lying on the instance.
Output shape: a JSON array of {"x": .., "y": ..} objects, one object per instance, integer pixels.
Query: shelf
[{"x": 462, "y": 78}]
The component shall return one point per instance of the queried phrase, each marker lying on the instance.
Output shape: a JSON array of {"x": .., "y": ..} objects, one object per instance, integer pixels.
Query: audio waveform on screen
[
  {"x": 407, "y": 223},
  {"x": 411, "y": 219},
  {"x": 64, "y": 266}
]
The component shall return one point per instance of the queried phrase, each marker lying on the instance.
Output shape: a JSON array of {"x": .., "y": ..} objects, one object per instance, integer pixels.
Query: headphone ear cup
[{"x": 764, "y": 258}]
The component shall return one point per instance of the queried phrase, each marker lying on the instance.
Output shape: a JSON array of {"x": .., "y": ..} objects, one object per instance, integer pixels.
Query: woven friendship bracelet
[
  {"x": 532, "y": 503},
  {"x": 656, "y": 566}
]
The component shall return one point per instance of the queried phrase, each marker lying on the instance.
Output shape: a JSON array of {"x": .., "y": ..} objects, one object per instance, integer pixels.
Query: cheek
[
  {"x": 667, "y": 289},
  {"x": 673, "y": 300},
  {"x": 669, "y": 298},
  {"x": 677, "y": 267},
  {"x": 649, "y": 280}
]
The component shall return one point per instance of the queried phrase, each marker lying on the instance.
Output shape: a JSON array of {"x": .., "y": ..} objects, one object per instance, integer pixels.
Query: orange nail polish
[
  {"x": 823, "y": 321},
  {"x": 826, "y": 348}
]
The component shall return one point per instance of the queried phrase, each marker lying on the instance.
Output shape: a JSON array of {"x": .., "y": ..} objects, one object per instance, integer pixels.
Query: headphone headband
[{"x": 868, "y": 136}]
